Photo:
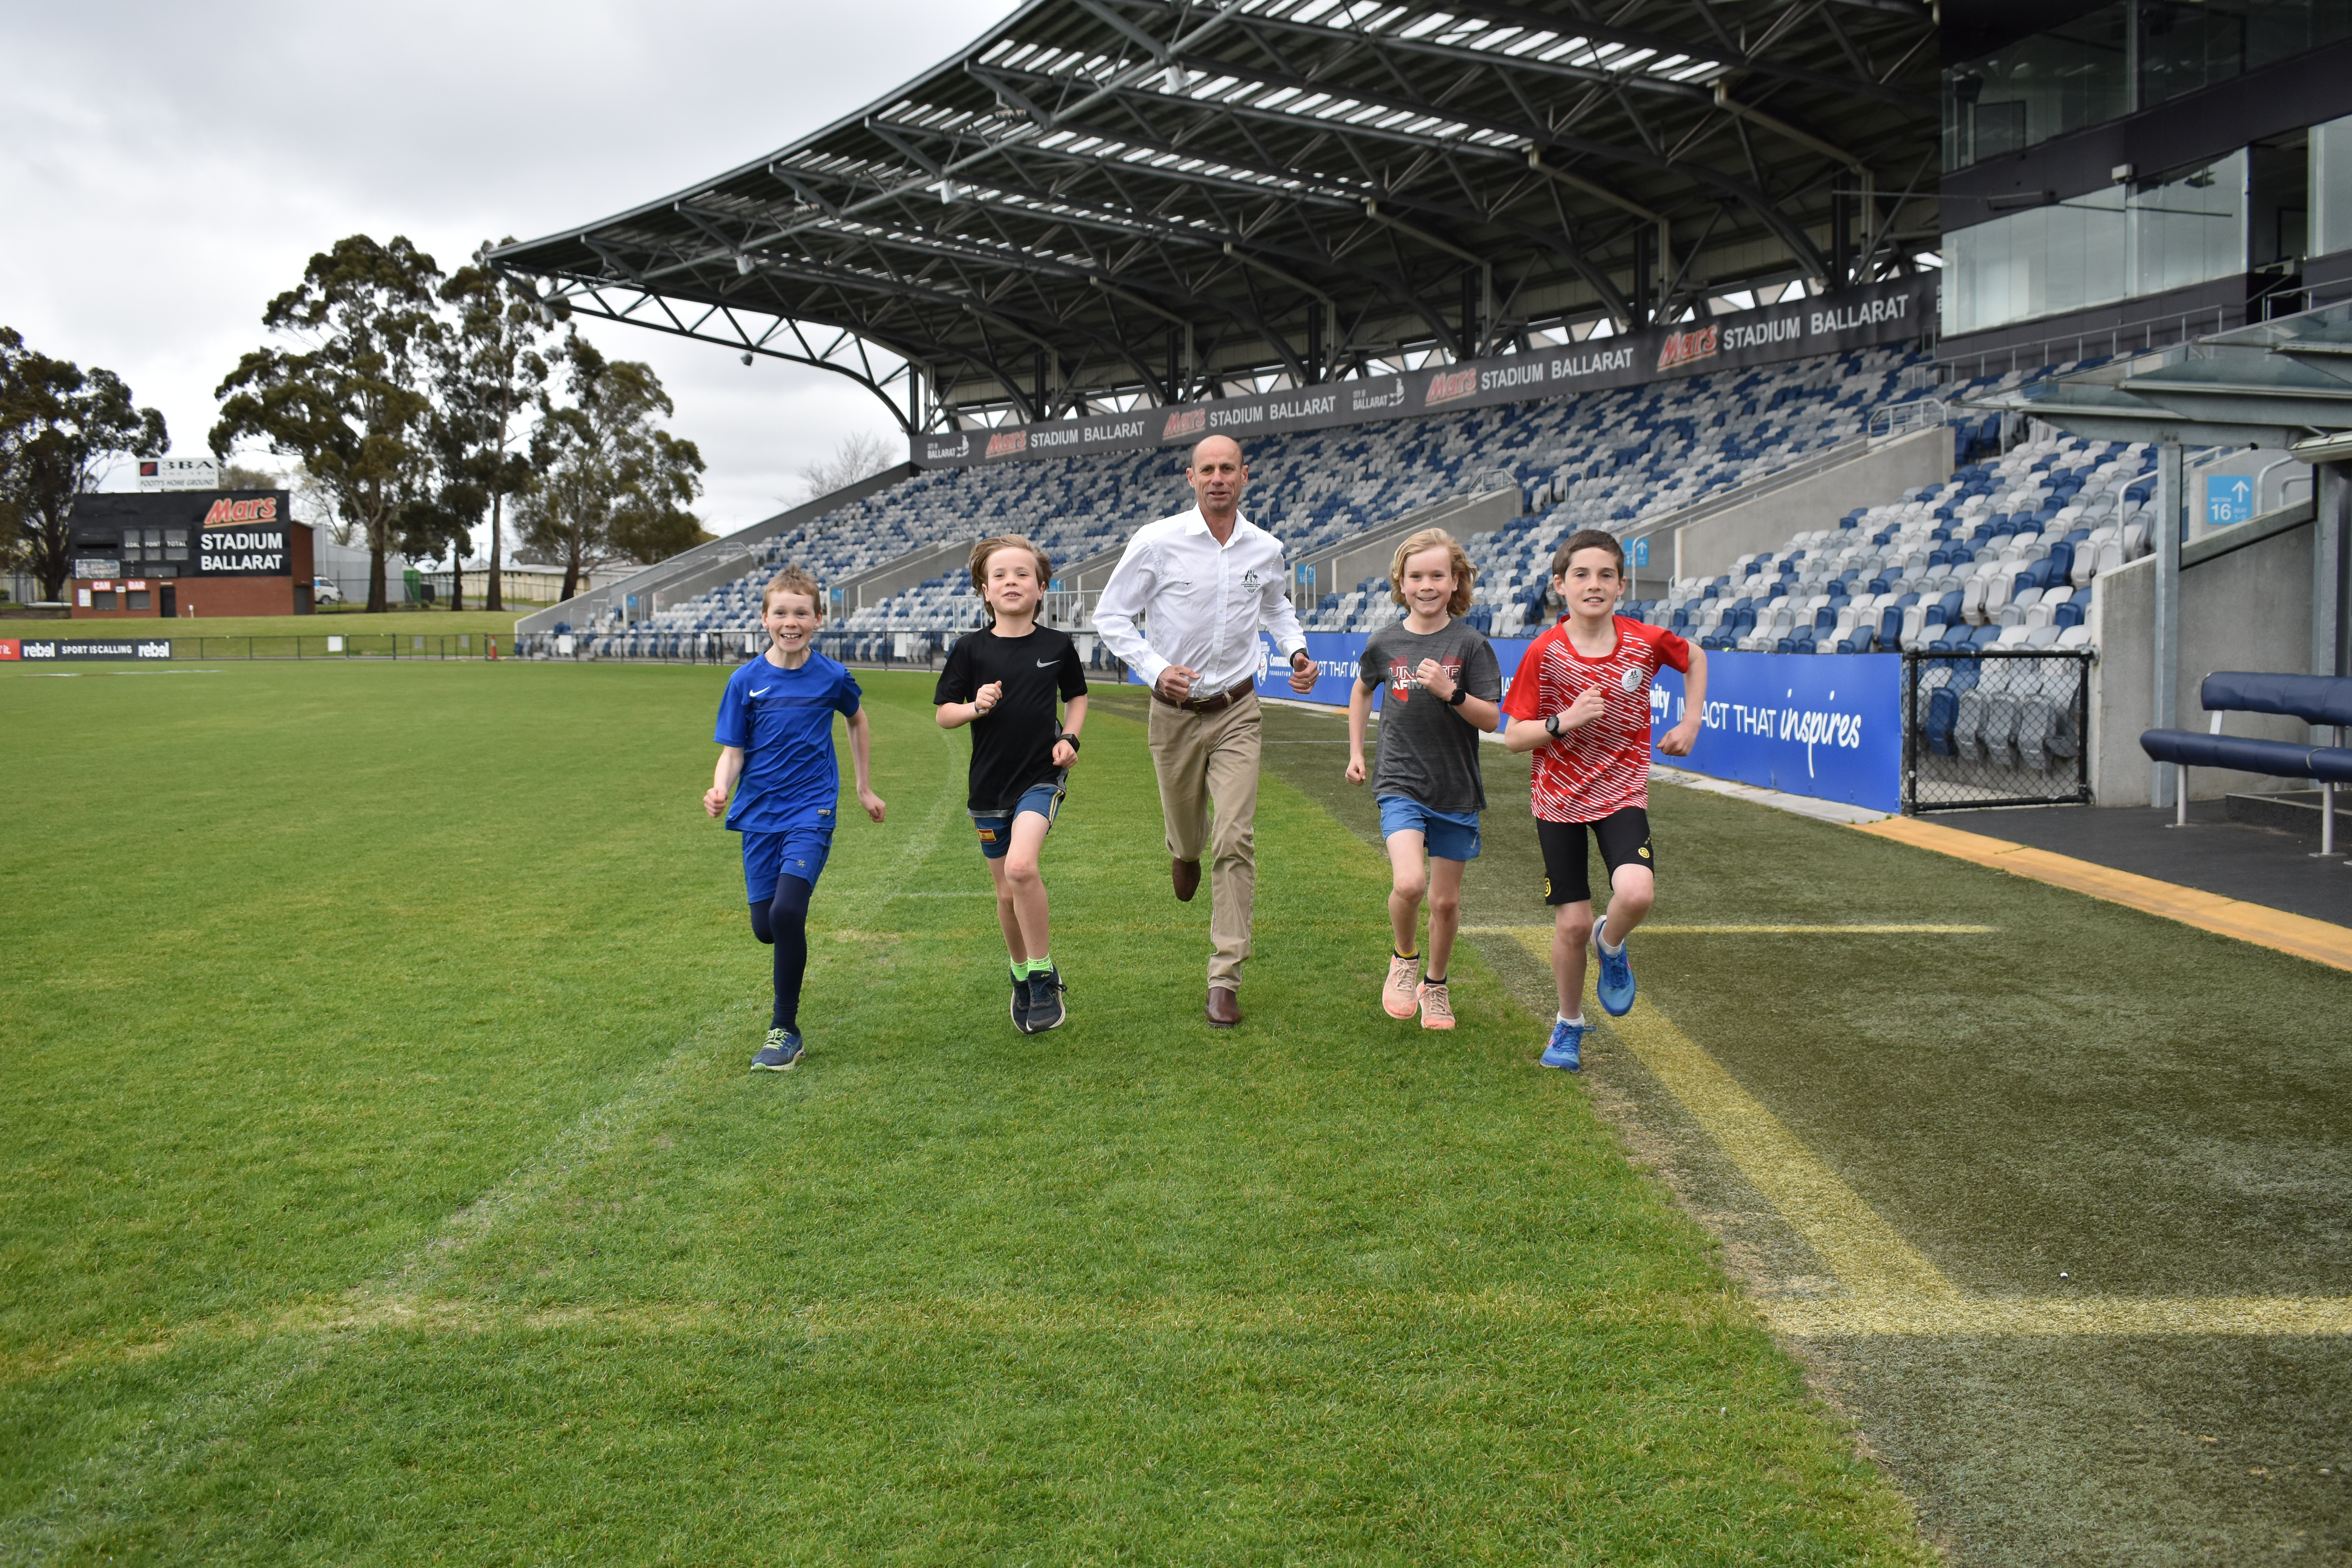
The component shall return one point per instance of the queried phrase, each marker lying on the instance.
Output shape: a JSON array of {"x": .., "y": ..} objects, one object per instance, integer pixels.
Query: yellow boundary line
[
  {"x": 2275, "y": 928},
  {"x": 1891, "y": 1288},
  {"x": 1877, "y": 929}
]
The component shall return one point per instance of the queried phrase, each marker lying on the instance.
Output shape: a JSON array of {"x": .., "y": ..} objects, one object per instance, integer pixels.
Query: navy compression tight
[{"x": 783, "y": 923}]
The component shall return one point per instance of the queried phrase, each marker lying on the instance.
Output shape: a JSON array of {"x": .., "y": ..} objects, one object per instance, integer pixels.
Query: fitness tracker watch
[
  {"x": 1461, "y": 695},
  {"x": 1552, "y": 725}
]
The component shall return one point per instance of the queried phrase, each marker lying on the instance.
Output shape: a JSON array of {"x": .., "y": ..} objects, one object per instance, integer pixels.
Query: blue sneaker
[
  {"x": 1566, "y": 1050},
  {"x": 1615, "y": 982},
  {"x": 781, "y": 1054}
]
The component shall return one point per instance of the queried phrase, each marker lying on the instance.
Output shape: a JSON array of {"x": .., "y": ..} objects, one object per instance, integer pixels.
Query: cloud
[{"x": 168, "y": 168}]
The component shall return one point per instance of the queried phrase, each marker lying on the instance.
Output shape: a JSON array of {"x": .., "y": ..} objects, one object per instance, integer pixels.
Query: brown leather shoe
[
  {"x": 1186, "y": 875},
  {"x": 1224, "y": 1006}
]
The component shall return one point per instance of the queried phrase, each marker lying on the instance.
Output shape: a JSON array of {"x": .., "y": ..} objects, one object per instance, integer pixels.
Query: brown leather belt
[{"x": 1217, "y": 704}]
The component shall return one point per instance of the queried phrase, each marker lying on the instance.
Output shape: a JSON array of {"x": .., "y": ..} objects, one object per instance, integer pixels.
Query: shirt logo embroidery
[
  {"x": 1630, "y": 679},
  {"x": 1249, "y": 581},
  {"x": 763, "y": 691},
  {"x": 1047, "y": 663}
]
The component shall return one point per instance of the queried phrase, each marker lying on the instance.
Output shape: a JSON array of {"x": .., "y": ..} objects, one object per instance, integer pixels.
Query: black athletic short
[{"x": 1624, "y": 837}]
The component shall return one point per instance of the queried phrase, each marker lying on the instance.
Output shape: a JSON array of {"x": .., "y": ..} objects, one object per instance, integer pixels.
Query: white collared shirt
[{"x": 1202, "y": 602}]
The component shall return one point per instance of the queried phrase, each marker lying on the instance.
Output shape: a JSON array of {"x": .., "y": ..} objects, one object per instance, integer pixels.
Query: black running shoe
[
  {"x": 1021, "y": 1002},
  {"x": 1046, "y": 1009}
]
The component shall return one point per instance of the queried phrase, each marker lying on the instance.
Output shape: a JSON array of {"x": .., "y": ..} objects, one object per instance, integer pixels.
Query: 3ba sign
[{"x": 242, "y": 539}]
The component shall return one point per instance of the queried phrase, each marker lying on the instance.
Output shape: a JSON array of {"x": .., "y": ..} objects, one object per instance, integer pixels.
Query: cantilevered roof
[{"x": 1103, "y": 203}]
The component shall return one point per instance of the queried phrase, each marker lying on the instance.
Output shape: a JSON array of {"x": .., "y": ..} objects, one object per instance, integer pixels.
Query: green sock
[{"x": 1040, "y": 965}]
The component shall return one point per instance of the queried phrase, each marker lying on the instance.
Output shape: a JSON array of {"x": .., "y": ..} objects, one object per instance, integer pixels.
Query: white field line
[{"x": 1524, "y": 932}]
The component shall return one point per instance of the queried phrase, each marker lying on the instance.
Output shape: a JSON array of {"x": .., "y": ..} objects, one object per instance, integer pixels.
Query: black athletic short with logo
[{"x": 1624, "y": 839}]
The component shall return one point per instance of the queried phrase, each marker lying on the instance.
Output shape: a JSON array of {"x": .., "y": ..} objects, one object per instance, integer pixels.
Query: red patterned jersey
[{"x": 1603, "y": 766}]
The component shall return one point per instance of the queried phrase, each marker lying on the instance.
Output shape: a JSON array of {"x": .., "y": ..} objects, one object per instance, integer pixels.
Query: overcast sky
[{"x": 166, "y": 169}]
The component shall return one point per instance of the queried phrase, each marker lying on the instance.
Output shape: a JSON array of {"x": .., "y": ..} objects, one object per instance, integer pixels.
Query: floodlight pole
[{"x": 2164, "y": 688}]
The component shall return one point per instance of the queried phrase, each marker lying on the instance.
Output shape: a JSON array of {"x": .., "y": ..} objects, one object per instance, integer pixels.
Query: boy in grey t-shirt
[{"x": 1443, "y": 687}]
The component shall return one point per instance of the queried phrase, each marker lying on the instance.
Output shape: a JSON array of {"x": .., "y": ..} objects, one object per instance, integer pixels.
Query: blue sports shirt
[{"x": 783, "y": 720}]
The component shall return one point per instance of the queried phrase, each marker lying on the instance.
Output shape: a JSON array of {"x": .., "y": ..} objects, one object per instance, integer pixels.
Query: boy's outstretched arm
[
  {"x": 722, "y": 781},
  {"x": 1360, "y": 710},
  {"x": 1678, "y": 741},
  {"x": 861, "y": 758}
]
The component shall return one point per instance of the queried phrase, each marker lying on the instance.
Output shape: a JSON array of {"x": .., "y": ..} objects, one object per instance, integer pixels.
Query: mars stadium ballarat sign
[{"x": 1886, "y": 312}]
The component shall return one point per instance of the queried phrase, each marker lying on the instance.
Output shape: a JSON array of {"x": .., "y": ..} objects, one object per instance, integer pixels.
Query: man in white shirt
[{"x": 1205, "y": 581}]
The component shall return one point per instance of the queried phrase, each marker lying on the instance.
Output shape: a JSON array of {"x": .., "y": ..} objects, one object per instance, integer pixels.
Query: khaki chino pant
[{"x": 1207, "y": 761}]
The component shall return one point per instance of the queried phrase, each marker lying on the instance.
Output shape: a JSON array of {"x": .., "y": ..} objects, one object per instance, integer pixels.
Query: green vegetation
[
  {"x": 383, "y": 1182},
  {"x": 402, "y": 623}
]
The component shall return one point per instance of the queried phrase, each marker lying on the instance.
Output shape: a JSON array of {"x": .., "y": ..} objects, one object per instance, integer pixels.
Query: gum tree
[
  {"x": 488, "y": 373},
  {"x": 612, "y": 483},
  {"x": 61, "y": 429},
  {"x": 352, "y": 400}
]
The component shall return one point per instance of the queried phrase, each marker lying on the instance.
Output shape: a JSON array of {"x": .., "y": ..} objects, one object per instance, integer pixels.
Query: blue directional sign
[
  {"x": 2228, "y": 498},
  {"x": 1640, "y": 552}
]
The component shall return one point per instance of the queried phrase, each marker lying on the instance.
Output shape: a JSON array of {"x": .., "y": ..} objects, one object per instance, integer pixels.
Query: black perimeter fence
[{"x": 1996, "y": 728}]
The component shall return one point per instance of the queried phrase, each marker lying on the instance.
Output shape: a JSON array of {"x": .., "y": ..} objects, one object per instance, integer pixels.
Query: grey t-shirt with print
[{"x": 1429, "y": 753}]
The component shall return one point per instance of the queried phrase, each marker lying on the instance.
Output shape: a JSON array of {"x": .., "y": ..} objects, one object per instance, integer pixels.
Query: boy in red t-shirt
[{"x": 1580, "y": 701}]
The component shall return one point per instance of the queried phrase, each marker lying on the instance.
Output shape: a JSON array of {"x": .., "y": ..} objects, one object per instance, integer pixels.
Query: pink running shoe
[
  {"x": 1436, "y": 1006},
  {"x": 1404, "y": 979}
]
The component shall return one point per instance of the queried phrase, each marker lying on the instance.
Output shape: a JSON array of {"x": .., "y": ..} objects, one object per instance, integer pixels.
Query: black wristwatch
[
  {"x": 1072, "y": 740},
  {"x": 1461, "y": 695},
  {"x": 1552, "y": 725}
]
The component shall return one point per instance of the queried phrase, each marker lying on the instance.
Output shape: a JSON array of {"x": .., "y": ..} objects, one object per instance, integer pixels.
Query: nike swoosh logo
[
  {"x": 763, "y": 691},
  {"x": 1047, "y": 663}
]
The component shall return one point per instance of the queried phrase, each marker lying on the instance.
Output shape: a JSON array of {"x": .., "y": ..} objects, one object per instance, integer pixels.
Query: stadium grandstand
[{"x": 1780, "y": 294}]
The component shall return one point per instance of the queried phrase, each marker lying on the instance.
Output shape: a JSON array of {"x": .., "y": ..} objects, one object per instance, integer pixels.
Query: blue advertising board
[
  {"x": 1829, "y": 726},
  {"x": 1824, "y": 725}
]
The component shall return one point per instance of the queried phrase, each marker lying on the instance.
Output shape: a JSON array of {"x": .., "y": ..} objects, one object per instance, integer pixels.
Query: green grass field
[
  {"x": 334, "y": 621},
  {"x": 383, "y": 1182}
]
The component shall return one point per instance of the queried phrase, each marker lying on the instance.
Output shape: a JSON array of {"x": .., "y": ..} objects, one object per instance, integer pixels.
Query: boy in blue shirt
[{"x": 775, "y": 739}]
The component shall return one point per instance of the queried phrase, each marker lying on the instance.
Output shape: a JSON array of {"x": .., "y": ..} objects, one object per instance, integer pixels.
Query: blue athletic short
[
  {"x": 996, "y": 832},
  {"x": 1450, "y": 835},
  {"x": 796, "y": 852}
]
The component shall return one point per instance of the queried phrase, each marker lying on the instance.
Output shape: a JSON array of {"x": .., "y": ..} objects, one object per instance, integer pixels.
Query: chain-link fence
[{"x": 1996, "y": 728}]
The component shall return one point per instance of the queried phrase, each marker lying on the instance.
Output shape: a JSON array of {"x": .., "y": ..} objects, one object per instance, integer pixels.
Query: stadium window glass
[
  {"x": 2036, "y": 263},
  {"x": 2082, "y": 72},
  {"x": 2331, "y": 186},
  {"x": 2189, "y": 227},
  {"x": 137, "y": 599}
]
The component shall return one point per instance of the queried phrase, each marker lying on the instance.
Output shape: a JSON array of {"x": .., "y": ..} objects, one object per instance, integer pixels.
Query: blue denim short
[
  {"x": 1449, "y": 835},
  {"x": 996, "y": 832}
]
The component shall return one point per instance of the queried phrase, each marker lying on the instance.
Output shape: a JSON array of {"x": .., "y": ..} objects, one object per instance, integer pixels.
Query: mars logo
[
  {"x": 1450, "y": 385},
  {"x": 225, "y": 511},
  {"x": 1191, "y": 423},
  {"x": 1004, "y": 444},
  {"x": 1685, "y": 348}
]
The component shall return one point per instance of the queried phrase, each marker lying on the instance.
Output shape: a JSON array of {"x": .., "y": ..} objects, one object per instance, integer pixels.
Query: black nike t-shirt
[{"x": 1013, "y": 742}]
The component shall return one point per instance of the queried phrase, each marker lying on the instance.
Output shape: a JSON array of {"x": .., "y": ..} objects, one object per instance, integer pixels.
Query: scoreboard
[{"x": 183, "y": 553}]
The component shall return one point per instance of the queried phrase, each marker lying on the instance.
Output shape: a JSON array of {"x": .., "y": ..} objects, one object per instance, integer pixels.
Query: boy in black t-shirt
[{"x": 1003, "y": 682}]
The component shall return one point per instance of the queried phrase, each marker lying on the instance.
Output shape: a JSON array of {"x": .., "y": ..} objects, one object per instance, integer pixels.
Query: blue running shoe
[
  {"x": 1021, "y": 1002},
  {"x": 1615, "y": 982},
  {"x": 1566, "y": 1050},
  {"x": 781, "y": 1054}
]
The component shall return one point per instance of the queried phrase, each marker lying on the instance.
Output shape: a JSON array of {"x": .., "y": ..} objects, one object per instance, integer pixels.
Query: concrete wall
[
  {"x": 1707, "y": 548},
  {"x": 2247, "y": 609},
  {"x": 905, "y": 572}
]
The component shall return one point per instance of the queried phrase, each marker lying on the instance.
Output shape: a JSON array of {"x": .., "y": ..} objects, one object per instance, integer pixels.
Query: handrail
[{"x": 1902, "y": 418}]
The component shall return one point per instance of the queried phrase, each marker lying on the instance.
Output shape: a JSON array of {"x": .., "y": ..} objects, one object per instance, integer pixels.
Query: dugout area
[{"x": 433, "y": 1212}]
